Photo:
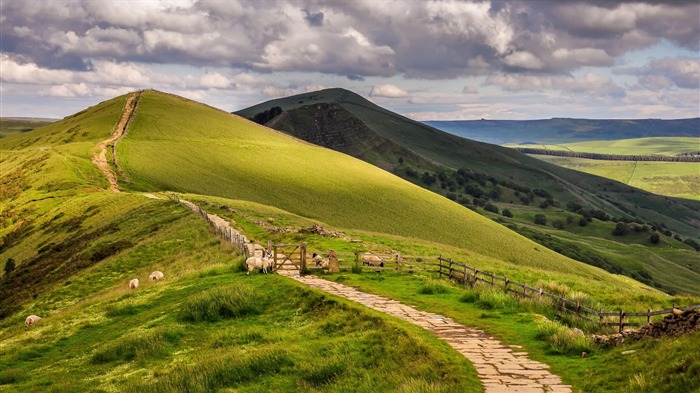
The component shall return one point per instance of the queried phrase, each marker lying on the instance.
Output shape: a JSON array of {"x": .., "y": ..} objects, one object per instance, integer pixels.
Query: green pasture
[
  {"x": 674, "y": 179},
  {"x": 666, "y": 146}
]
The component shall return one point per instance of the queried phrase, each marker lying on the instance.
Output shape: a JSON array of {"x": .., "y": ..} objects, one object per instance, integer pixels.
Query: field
[
  {"x": 667, "y": 146},
  {"x": 209, "y": 327}
]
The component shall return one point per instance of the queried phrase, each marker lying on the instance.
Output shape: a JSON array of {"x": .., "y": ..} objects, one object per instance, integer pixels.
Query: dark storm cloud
[{"x": 357, "y": 39}]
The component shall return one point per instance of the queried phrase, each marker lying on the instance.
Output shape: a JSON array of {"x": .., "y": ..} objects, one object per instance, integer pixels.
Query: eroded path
[
  {"x": 100, "y": 159},
  {"x": 500, "y": 368}
]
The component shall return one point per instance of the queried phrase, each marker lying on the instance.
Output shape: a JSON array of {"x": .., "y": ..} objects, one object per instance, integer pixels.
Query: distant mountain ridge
[{"x": 564, "y": 130}]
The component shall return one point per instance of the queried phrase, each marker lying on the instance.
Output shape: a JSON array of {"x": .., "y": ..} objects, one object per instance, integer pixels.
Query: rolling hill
[
  {"x": 76, "y": 245},
  {"x": 562, "y": 130},
  {"x": 400, "y": 144}
]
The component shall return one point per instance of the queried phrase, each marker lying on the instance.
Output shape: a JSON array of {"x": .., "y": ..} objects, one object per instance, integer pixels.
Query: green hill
[{"x": 426, "y": 147}]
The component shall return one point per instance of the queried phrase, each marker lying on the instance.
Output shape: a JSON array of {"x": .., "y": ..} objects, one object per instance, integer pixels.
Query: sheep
[
  {"x": 372, "y": 260},
  {"x": 133, "y": 284},
  {"x": 31, "y": 320},
  {"x": 320, "y": 262},
  {"x": 156, "y": 275},
  {"x": 263, "y": 263}
]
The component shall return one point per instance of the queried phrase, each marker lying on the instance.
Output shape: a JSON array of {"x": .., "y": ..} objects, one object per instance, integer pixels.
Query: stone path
[{"x": 500, "y": 368}]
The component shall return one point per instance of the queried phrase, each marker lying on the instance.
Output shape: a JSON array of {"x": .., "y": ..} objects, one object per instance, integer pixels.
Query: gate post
[
  {"x": 302, "y": 269},
  {"x": 274, "y": 256}
]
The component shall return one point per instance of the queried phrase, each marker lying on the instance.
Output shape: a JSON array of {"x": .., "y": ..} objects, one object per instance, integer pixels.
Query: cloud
[
  {"x": 589, "y": 83},
  {"x": 387, "y": 91},
  {"x": 667, "y": 72},
  {"x": 428, "y": 39},
  {"x": 313, "y": 19},
  {"x": 470, "y": 90}
]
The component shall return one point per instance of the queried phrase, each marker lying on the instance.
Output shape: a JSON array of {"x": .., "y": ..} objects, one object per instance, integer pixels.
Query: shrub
[
  {"x": 9, "y": 266},
  {"x": 654, "y": 238},
  {"x": 558, "y": 224},
  {"x": 471, "y": 296},
  {"x": 507, "y": 213},
  {"x": 562, "y": 340},
  {"x": 621, "y": 229},
  {"x": 490, "y": 207},
  {"x": 356, "y": 269},
  {"x": 540, "y": 219},
  {"x": 221, "y": 303}
]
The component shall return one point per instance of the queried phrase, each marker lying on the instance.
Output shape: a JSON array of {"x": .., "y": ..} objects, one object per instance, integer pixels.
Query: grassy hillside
[
  {"x": 76, "y": 246},
  {"x": 214, "y": 153},
  {"x": 562, "y": 130},
  {"x": 452, "y": 153}
]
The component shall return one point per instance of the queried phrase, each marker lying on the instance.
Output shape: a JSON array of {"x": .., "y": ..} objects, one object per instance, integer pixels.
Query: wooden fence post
[
  {"x": 274, "y": 258},
  {"x": 440, "y": 267},
  {"x": 466, "y": 278},
  {"x": 578, "y": 307},
  {"x": 449, "y": 275},
  {"x": 398, "y": 261},
  {"x": 476, "y": 271},
  {"x": 357, "y": 257},
  {"x": 648, "y": 315},
  {"x": 505, "y": 284},
  {"x": 622, "y": 324},
  {"x": 491, "y": 279},
  {"x": 303, "y": 258}
]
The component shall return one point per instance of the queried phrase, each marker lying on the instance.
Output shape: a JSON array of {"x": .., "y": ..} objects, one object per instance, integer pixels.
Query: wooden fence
[
  {"x": 469, "y": 275},
  {"x": 447, "y": 268},
  {"x": 221, "y": 227}
]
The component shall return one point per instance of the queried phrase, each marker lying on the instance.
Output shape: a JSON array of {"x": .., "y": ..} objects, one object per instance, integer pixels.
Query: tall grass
[
  {"x": 216, "y": 372},
  {"x": 141, "y": 347},
  {"x": 562, "y": 340},
  {"x": 222, "y": 303}
]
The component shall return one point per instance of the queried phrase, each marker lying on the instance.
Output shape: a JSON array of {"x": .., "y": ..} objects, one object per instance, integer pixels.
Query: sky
[{"x": 428, "y": 60}]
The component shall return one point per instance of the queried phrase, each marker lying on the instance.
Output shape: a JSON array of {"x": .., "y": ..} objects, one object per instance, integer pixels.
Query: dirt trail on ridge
[{"x": 100, "y": 158}]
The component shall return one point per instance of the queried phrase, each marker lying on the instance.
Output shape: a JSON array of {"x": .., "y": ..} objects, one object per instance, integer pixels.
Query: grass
[
  {"x": 673, "y": 179},
  {"x": 221, "y": 303}
]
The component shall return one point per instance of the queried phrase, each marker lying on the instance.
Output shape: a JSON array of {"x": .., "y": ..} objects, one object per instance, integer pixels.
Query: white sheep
[
  {"x": 156, "y": 275},
  {"x": 372, "y": 260},
  {"x": 254, "y": 263},
  {"x": 133, "y": 284},
  {"x": 31, "y": 320}
]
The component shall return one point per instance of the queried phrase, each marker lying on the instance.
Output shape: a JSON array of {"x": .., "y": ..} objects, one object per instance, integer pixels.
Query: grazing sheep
[
  {"x": 156, "y": 275},
  {"x": 31, "y": 320},
  {"x": 254, "y": 263},
  {"x": 133, "y": 284},
  {"x": 372, "y": 260}
]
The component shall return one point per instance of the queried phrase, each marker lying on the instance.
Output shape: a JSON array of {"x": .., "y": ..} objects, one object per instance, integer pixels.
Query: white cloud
[
  {"x": 523, "y": 59},
  {"x": 387, "y": 91}
]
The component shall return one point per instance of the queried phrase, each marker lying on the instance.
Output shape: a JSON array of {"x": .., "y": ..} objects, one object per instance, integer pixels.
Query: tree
[
  {"x": 583, "y": 221},
  {"x": 490, "y": 207},
  {"x": 507, "y": 213},
  {"x": 559, "y": 224},
  {"x": 9, "y": 266},
  {"x": 654, "y": 238},
  {"x": 621, "y": 229},
  {"x": 540, "y": 219}
]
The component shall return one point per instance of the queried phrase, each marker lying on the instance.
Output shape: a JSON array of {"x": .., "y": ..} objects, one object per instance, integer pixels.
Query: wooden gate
[{"x": 289, "y": 257}]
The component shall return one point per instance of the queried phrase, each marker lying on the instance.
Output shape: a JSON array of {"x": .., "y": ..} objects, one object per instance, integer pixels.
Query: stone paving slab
[{"x": 500, "y": 369}]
